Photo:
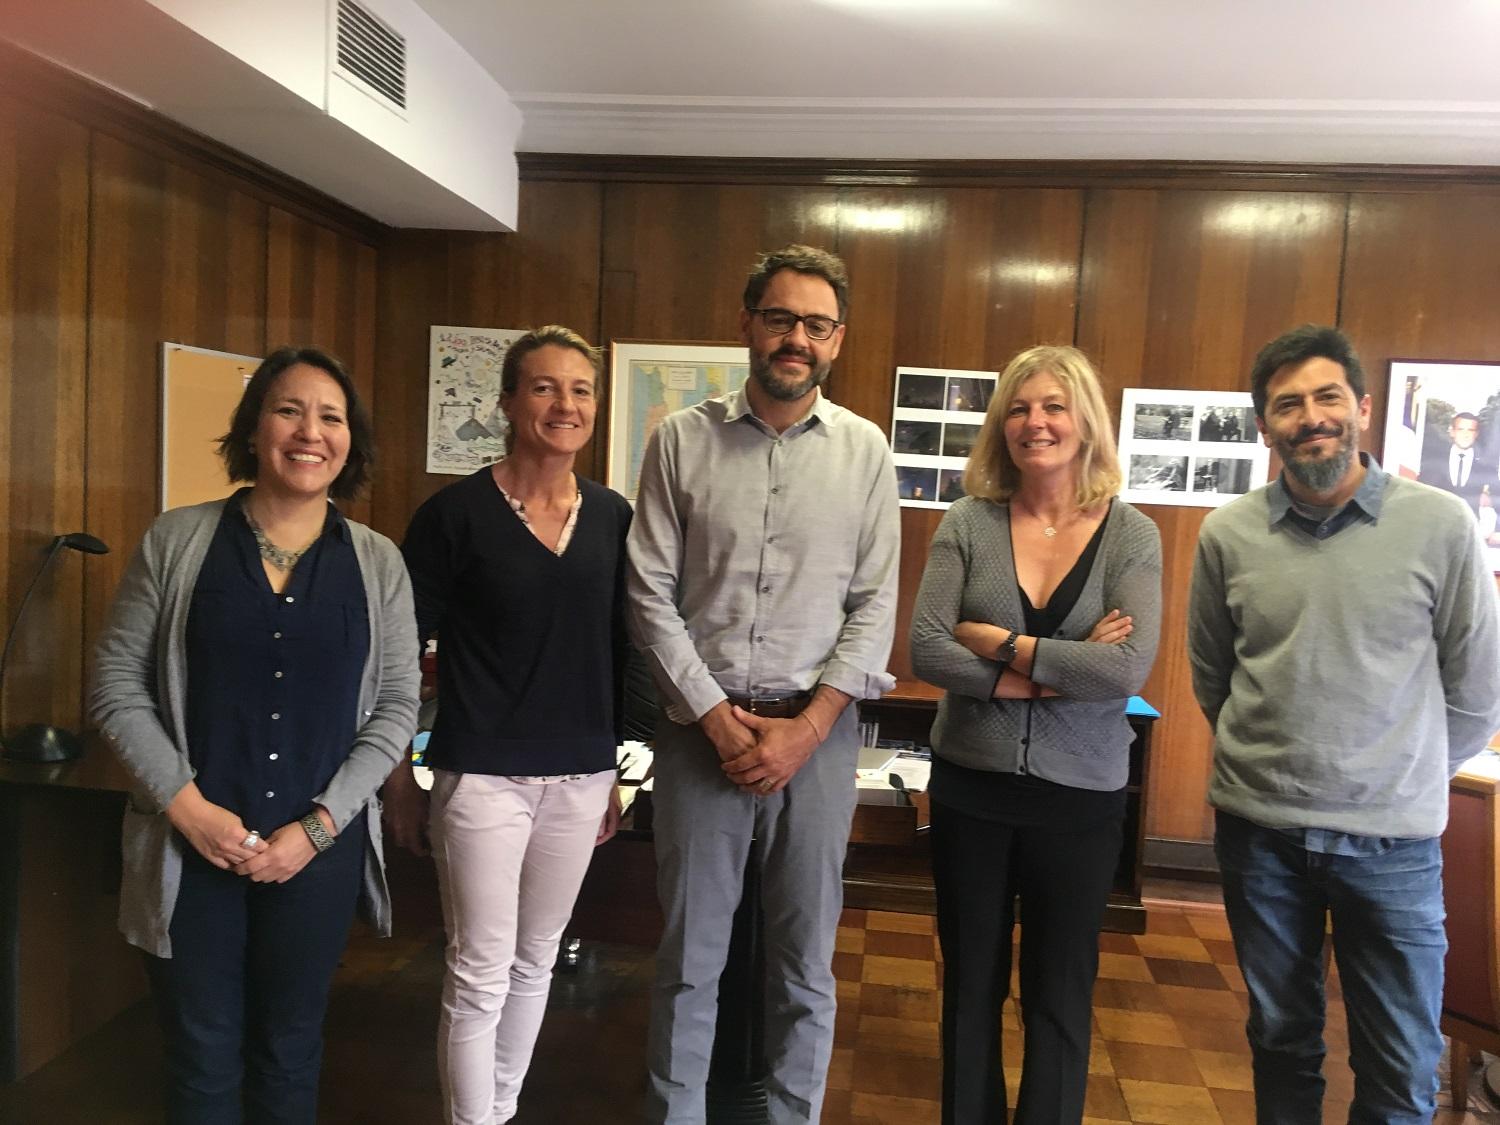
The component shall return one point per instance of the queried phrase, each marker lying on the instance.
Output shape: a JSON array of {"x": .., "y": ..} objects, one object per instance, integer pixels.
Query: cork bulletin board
[{"x": 199, "y": 391}]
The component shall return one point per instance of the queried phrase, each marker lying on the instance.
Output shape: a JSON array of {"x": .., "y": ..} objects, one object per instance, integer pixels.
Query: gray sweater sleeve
[
  {"x": 1088, "y": 670},
  {"x": 935, "y": 656},
  {"x": 1210, "y": 630},
  {"x": 1468, "y": 650},
  {"x": 124, "y": 692},
  {"x": 390, "y": 719}
]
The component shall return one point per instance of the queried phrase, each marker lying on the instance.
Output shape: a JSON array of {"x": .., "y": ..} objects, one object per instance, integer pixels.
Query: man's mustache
[{"x": 1307, "y": 433}]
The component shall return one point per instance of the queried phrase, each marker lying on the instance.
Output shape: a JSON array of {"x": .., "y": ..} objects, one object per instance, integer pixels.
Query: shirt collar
[
  {"x": 737, "y": 406},
  {"x": 1367, "y": 497}
]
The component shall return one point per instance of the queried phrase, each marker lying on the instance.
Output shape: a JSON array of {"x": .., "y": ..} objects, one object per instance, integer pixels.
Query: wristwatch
[{"x": 1005, "y": 652}]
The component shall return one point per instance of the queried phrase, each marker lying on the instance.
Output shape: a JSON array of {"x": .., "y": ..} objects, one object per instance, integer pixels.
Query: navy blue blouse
[{"x": 273, "y": 679}]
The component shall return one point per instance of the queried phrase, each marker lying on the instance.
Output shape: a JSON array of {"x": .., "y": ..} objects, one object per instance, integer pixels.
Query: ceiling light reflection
[
  {"x": 1027, "y": 272},
  {"x": 889, "y": 219}
]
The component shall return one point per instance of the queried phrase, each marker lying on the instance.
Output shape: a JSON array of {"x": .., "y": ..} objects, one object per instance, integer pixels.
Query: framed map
[
  {"x": 649, "y": 381},
  {"x": 465, "y": 428}
]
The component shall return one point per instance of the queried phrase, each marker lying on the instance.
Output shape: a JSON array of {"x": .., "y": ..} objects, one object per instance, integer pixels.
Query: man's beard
[
  {"x": 762, "y": 371},
  {"x": 1321, "y": 474}
]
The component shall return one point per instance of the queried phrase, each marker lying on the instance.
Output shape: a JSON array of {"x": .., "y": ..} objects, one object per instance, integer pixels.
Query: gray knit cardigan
[
  {"x": 1082, "y": 737},
  {"x": 138, "y": 699}
]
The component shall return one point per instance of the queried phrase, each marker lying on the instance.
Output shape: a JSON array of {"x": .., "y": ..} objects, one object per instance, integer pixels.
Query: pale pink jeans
[{"x": 510, "y": 859}]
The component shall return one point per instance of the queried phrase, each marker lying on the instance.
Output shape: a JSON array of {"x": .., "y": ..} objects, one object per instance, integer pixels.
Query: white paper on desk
[
  {"x": 1486, "y": 763},
  {"x": 635, "y": 759},
  {"x": 915, "y": 772}
]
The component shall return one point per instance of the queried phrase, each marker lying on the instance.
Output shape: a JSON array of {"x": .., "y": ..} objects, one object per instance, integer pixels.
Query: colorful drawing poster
[{"x": 465, "y": 428}]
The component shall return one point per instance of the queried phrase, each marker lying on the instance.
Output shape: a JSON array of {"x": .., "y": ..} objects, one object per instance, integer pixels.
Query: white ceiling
[{"x": 1399, "y": 81}]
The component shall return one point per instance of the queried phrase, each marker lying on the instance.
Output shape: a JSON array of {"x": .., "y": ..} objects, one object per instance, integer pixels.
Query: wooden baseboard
[{"x": 1192, "y": 860}]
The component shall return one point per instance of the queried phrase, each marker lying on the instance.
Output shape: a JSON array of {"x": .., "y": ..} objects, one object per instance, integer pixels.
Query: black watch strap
[{"x": 1005, "y": 653}]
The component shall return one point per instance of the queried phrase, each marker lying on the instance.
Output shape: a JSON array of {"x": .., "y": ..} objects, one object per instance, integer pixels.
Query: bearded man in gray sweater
[{"x": 1343, "y": 640}]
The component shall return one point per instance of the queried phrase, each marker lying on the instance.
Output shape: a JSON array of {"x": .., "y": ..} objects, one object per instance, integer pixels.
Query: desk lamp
[{"x": 40, "y": 742}]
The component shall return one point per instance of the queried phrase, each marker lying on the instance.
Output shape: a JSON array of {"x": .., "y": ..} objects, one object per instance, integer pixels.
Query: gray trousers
[{"x": 704, "y": 830}]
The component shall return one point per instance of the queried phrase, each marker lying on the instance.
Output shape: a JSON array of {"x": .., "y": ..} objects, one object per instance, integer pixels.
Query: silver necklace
[{"x": 279, "y": 557}]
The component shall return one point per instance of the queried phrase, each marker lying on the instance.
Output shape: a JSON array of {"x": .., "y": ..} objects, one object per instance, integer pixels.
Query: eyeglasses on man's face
[{"x": 779, "y": 322}]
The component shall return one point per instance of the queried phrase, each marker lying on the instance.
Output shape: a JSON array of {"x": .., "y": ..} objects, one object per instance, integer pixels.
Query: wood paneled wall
[
  {"x": 1165, "y": 280},
  {"x": 112, "y": 241}
]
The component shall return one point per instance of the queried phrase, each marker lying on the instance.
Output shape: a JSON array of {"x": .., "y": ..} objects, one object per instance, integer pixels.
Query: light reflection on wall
[
  {"x": 1029, "y": 272},
  {"x": 906, "y": 217},
  {"x": 1259, "y": 218}
]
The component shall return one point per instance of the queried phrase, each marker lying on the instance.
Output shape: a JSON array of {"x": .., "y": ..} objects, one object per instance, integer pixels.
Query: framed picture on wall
[
  {"x": 935, "y": 421},
  {"x": 649, "y": 381},
  {"x": 1442, "y": 427},
  {"x": 1189, "y": 448},
  {"x": 465, "y": 426}
]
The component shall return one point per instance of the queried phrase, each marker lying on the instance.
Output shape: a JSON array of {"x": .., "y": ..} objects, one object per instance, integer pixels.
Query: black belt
[{"x": 774, "y": 706}]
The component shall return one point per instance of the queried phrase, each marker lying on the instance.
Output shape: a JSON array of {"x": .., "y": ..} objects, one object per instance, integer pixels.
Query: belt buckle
[{"x": 773, "y": 702}]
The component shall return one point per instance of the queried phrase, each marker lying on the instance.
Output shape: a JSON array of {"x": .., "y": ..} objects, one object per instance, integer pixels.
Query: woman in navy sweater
[{"x": 518, "y": 571}]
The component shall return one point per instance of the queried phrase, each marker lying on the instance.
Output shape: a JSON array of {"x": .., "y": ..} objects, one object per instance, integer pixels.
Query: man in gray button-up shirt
[{"x": 763, "y": 562}]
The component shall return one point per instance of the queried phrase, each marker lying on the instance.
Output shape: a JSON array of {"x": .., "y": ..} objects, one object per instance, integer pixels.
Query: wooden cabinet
[
  {"x": 885, "y": 876},
  {"x": 1471, "y": 893}
]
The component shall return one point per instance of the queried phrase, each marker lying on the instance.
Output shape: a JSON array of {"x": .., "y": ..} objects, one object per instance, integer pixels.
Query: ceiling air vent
[{"x": 370, "y": 54}]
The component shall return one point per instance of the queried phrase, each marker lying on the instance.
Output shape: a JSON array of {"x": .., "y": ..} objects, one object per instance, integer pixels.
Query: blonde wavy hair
[{"x": 992, "y": 475}]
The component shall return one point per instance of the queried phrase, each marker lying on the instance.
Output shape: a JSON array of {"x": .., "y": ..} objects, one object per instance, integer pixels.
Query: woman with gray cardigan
[
  {"x": 258, "y": 679},
  {"x": 1038, "y": 613}
]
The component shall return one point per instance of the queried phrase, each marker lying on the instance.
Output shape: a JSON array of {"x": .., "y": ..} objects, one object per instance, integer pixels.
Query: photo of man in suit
[{"x": 1454, "y": 465}]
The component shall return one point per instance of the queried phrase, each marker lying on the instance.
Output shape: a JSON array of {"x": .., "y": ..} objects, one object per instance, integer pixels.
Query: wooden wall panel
[
  {"x": 173, "y": 257},
  {"x": 674, "y": 257},
  {"x": 1181, "y": 289},
  {"x": 1421, "y": 281},
  {"x": 320, "y": 293},
  {"x": 43, "y": 293},
  {"x": 547, "y": 273},
  {"x": 957, "y": 278}
]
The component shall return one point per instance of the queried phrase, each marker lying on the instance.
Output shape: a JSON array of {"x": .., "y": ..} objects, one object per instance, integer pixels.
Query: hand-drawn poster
[{"x": 465, "y": 428}]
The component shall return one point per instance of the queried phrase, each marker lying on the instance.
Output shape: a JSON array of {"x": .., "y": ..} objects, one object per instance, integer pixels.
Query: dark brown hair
[{"x": 237, "y": 448}]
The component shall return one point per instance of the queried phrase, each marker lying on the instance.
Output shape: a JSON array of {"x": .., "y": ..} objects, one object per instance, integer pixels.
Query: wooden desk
[
  {"x": 65, "y": 970},
  {"x": 1471, "y": 894}
]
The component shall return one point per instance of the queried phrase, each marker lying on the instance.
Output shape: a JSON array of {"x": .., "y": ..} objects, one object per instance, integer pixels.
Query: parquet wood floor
[{"x": 1168, "y": 1037}]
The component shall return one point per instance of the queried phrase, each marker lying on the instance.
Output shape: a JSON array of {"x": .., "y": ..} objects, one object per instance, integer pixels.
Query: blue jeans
[{"x": 1389, "y": 941}]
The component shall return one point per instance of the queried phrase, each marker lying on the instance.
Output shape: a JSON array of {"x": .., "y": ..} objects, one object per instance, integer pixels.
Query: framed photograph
[
  {"x": 1442, "y": 427},
  {"x": 935, "y": 422},
  {"x": 1189, "y": 448},
  {"x": 649, "y": 381}
]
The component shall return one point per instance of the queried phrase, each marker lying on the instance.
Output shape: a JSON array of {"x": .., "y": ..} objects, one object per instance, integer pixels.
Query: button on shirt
[
  {"x": 273, "y": 679},
  {"x": 763, "y": 564}
]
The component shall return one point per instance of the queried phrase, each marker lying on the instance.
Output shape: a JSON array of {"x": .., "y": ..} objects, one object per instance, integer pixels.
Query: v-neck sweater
[{"x": 530, "y": 643}]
